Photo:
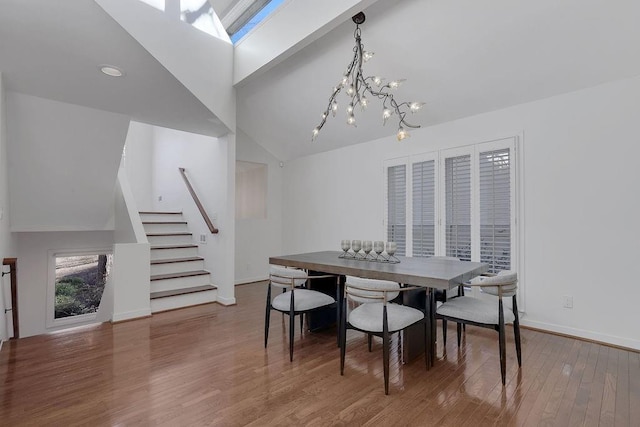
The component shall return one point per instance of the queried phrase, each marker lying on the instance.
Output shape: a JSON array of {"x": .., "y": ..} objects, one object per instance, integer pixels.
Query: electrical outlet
[
  {"x": 203, "y": 239},
  {"x": 567, "y": 301},
  {"x": 159, "y": 198}
]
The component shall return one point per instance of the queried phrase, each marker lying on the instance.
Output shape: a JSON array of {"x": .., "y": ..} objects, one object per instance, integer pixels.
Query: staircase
[{"x": 178, "y": 277}]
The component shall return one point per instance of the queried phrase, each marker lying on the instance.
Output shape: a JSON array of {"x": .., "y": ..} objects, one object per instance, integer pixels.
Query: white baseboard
[
  {"x": 250, "y": 280},
  {"x": 226, "y": 301},
  {"x": 128, "y": 315},
  {"x": 581, "y": 333}
]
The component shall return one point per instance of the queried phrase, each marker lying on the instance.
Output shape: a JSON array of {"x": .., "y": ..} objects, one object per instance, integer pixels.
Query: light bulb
[
  {"x": 351, "y": 90},
  {"x": 402, "y": 134},
  {"x": 334, "y": 107},
  {"x": 377, "y": 80},
  {"x": 351, "y": 120},
  {"x": 324, "y": 116},
  {"x": 335, "y": 89},
  {"x": 350, "y": 109},
  {"x": 415, "y": 106},
  {"x": 396, "y": 83},
  {"x": 345, "y": 80},
  {"x": 367, "y": 55},
  {"x": 386, "y": 113},
  {"x": 364, "y": 102},
  {"x": 314, "y": 133}
]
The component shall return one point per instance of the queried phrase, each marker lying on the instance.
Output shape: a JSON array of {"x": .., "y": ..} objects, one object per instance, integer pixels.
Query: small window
[{"x": 79, "y": 282}]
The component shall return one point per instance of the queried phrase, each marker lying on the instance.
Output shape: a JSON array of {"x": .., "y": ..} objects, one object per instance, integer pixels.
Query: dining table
[{"x": 430, "y": 273}]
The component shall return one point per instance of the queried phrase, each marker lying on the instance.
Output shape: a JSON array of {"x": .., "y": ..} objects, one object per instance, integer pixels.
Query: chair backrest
[
  {"x": 364, "y": 290},
  {"x": 283, "y": 275},
  {"x": 506, "y": 279}
]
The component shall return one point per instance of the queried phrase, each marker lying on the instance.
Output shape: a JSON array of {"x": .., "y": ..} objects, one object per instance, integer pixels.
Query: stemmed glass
[
  {"x": 345, "y": 245},
  {"x": 367, "y": 247},
  {"x": 378, "y": 248},
  {"x": 356, "y": 245}
]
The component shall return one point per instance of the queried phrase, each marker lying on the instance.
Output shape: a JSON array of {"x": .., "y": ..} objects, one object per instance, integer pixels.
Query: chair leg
[
  {"x": 385, "y": 349},
  {"x": 292, "y": 318},
  {"x": 516, "y": 331},
  {"x": 369, "y": 341},
  {"x": 267, "y": 316},
  {"x": 301, "y": 323},
  {"x": 459, "y": 332},
  {"x": 444, "y": 333},
  {"x": 501, "y": 339},
  {"x": 426, "y": 344}
]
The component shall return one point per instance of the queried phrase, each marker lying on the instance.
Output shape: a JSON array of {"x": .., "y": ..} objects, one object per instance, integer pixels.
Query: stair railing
[{"x": 212, "y": 229}]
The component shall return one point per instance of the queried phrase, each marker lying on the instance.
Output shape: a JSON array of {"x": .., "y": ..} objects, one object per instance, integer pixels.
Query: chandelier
[{"x": 358, "y": 87}]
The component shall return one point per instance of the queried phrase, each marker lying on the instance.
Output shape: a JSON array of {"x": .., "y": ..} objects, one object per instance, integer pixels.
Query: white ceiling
[
  {"x": 52, "y": 49},
  {"x": 462, "y": 57}
]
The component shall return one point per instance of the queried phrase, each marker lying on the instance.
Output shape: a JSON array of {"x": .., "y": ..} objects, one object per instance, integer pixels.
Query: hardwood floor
[{"x": 206, "y": 365}]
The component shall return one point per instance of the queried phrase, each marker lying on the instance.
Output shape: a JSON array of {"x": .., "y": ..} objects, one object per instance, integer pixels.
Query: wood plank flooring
[{"x": 206, "y": 365}]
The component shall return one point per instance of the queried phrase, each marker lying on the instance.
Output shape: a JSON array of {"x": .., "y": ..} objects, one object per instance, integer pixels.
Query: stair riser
[
  {"x": 178, "y": 301},
  {"x": 176, "y": 267},
  {"x": 170, "y": 240},
  {"x": 165, "y": 228},
  {"x": 161, "y": 217},
  {"x": 174, "y": 253},
  {"x": 180, "y": 282}
]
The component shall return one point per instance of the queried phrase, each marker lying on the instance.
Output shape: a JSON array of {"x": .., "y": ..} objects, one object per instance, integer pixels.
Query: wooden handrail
[{"x": 212, "y": 229}]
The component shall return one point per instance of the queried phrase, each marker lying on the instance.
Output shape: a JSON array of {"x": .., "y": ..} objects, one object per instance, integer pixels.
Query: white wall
[
  {"x": 64, "y": 162},
  {"x": 258, "y": 239},
  {"x": 138, "y": 164},
  {"x": 7, "y": 244},
  {"x": 580, "y": 212},
  {"x": 33, "y": 250},
  {"x": 210, "y": 167}
]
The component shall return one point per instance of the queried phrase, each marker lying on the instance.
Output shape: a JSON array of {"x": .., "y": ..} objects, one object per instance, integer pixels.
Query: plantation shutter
[
  {"x": 423, "y": 197},
  {"x": 458, "y": 207},
  {"x": 397, "y": 207},
  {"x": 495, "y": 209}
]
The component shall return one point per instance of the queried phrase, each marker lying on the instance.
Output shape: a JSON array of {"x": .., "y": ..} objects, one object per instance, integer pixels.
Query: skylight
[{"x": 248, "y": 21}]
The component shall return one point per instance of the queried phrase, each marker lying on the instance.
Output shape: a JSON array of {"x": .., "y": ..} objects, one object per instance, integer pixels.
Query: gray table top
[{"x": 428, "y": 272}]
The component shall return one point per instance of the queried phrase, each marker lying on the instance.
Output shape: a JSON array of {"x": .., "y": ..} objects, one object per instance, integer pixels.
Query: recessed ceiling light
[{"x": 111, "y": 70}]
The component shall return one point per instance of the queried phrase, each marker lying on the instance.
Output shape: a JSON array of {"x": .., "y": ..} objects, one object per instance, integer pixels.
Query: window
[
  {"x": 397, "y": 206},
  {"x": 78, "y": 282},
  {"x": 460, "y": 202}
]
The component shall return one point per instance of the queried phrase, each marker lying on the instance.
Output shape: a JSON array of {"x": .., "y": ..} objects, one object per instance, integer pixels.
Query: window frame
[
  {"x": 514, "y": 144},
  {"x": 82, "y": 319}
]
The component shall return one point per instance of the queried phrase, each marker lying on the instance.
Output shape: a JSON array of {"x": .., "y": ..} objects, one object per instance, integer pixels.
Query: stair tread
[
  {"x": 183, "y": 291},
  {"x": 179, "y": 233},
  {"x": 186, "y": 245},
  {"x": 159, "y": 213},
  {"x": 179, "y": 275},
  {"x": 164, "y": 222},
  {"x": 172, "y": 260}
]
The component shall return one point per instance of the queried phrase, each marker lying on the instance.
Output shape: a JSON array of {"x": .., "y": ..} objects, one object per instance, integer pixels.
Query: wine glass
[
  {"x": 367, "y": 246},
  {"x": 356, "y": 245},
  {"x": 378, "y": 247},
  {"x": 345, "y": 245},
  {"x": 392, "y": 247}
]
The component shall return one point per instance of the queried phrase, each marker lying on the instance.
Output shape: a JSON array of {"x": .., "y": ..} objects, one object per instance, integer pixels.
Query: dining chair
[
  {"x": 295, "y": 299},
  {"x": 488, "y": 314},
  {"x": 441, "y": 296},
  {"x": 367, "y": 307}
]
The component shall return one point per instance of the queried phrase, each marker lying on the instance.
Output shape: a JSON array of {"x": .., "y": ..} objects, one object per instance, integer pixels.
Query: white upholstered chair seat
[
  {"x": 368, "y": 317},
  {"x": 303, "y": 300},
  {"x": 474, "y": 310}
]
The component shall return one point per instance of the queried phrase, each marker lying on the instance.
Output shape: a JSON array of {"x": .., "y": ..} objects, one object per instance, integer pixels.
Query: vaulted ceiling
[{"x": 461, "y": 57}]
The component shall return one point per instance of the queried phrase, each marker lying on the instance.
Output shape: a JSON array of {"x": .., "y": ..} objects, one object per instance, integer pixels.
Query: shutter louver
[
  {"x": 458, "y": 207},
  {"x": 495, "y": 209},
  {"x": 423, "y": 193},
  {"x": 397, "y": 207}
]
